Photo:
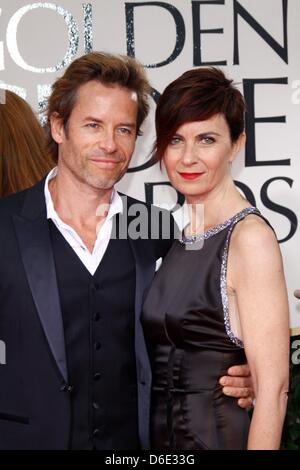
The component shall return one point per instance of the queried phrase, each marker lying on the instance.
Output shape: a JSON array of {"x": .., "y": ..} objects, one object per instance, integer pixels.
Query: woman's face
[{"x": 198, "y": 157}]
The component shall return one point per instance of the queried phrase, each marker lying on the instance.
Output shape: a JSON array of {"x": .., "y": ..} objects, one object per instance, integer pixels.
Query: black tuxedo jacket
[{"x": 34, "y": 401}]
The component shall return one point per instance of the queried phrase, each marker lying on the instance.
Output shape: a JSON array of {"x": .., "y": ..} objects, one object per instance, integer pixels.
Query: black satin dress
[{"x": 191, "y": 345}]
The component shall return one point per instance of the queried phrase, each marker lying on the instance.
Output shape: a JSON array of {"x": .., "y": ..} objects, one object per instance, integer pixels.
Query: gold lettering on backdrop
[
  {"x": 15, "y": 89},
  {"x": 12, "y": 44},
  {"x": 43, "y": 92}
]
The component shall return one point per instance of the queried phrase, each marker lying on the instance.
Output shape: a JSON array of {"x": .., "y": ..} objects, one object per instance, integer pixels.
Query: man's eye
[
  {"x": 92, "y": 125},
  {"x": 125, "y": 130}
]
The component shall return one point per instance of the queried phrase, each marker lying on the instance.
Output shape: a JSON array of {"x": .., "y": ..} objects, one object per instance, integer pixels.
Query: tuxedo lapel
[
  {"x": 144, "y": 255},
  {"x": 35, "y": 245},
  {"x": 143, "y": 252},
  {"x": 145, "y": 269}
]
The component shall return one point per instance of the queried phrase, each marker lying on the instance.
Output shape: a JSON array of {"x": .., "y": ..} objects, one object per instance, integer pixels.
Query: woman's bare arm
[{"x": 256, "y": 272}]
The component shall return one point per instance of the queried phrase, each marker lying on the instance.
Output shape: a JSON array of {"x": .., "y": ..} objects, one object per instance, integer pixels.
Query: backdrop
[{"x": 255, "y": 42}]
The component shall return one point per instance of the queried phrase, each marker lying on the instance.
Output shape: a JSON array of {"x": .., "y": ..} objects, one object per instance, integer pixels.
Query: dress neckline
[{"x": 186, "y": 240}]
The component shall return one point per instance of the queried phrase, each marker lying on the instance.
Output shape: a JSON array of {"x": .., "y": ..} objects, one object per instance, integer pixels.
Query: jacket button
[
  {"x": 97, "y": 376},
  {"x": 97, "y": 316},
  {"x": 97, "y": 345},
  {"x": 67, "y": 388},
  {"x": 96, "y": 432}
]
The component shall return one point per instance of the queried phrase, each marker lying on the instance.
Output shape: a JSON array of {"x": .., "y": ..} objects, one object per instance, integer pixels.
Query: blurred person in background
[{"x": 23, "y": 157}]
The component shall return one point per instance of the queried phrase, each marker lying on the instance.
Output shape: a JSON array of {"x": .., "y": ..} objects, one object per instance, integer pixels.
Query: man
[{"x": 76, "y": 374}]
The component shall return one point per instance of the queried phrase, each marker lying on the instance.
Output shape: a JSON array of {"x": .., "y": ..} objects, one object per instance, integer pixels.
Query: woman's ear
[
  {"x": 237, "y": 146},
  {"x": 57, "y": 128}
]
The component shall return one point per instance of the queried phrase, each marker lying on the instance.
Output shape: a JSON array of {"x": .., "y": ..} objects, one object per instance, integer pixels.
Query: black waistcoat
[{"x": 98, "y": 318}]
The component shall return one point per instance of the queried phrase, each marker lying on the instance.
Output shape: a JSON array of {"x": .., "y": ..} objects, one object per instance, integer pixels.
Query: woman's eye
[
  {"x": 175, "y": 140},
  {"x": 207, "y": 140}
]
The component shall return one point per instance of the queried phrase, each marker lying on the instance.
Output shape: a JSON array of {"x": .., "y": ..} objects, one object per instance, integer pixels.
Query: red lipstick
[{"x": 190, "y": 176}]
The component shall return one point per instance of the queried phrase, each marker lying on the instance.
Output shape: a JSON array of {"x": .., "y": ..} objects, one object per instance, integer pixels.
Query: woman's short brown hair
[
  {"x": 197, "y": 95},
  {"x": 108, "y": 69},
  {"x": 23, "y": 157}
]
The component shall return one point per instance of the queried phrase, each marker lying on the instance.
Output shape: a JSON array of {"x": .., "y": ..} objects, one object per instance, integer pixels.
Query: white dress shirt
[{"x": 90, "y": 260}]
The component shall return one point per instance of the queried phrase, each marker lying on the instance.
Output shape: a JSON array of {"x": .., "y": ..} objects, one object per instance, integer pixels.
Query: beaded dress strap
[
  {"x": 223, "y": 278},
  {"x": 186, "y": 240}
]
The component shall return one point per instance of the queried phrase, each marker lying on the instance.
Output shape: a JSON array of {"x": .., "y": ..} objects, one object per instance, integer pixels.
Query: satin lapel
[
  {"x": 35, "y": 245},
  {"x": 145, "y": 270},
  {"x": 143, "y": 251},
  {"x": 144, "y": 256}
]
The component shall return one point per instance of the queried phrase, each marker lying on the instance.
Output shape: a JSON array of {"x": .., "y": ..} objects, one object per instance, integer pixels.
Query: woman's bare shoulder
[{"x": 253, "y": 231}]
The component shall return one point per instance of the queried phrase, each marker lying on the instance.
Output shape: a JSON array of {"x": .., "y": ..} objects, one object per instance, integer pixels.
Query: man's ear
[
  {"x": 237, "y": 146},
  {"x": 57, "y": 128}
]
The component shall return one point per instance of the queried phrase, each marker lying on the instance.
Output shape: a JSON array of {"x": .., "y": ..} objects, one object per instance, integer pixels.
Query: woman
[
  {"x": 210, "y": 306},
  {"x": 23, "y": 158}
]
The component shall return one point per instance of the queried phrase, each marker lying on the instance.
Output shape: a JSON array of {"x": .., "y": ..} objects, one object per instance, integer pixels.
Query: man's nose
[{"x": 107, "y": 141}]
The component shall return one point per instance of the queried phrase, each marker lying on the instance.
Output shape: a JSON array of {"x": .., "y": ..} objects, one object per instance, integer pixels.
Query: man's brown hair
[{"x": 108, "y": 69}]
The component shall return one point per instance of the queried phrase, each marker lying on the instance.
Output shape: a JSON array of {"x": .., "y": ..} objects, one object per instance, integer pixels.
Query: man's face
[{"x": 99, "y": 141}]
